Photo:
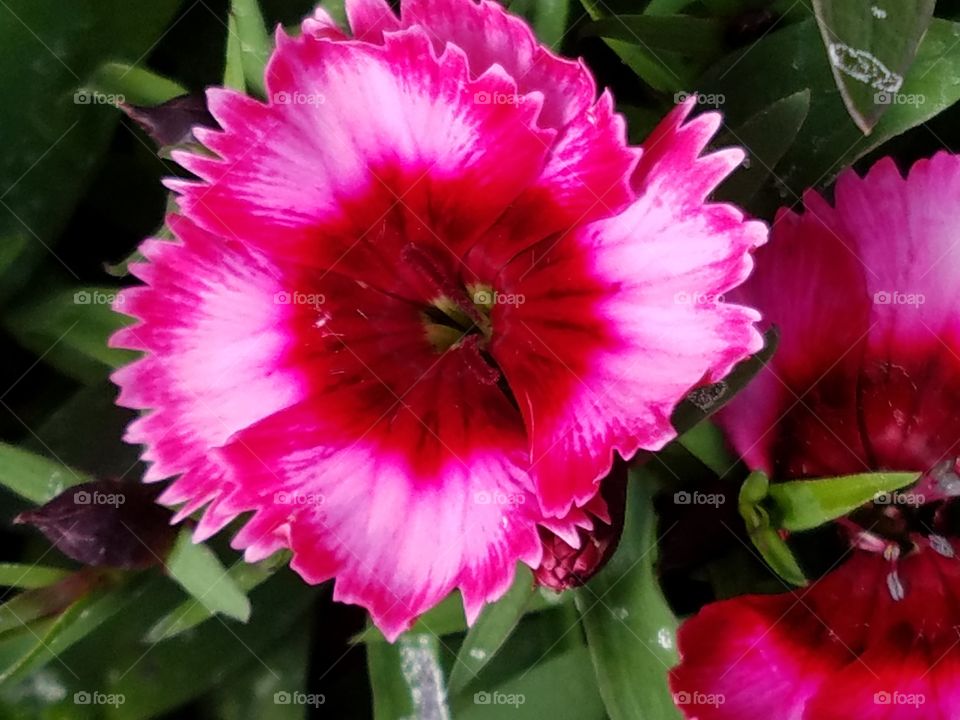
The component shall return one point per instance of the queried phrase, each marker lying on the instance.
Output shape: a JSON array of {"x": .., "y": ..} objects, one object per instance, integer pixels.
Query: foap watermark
[
  {"x": 299, "y": 98},
  {"x": 713, "y": 100},
  {"x": 299, "y": 298},
  {"x": 498, "y": 98},
  {"x": 899, "y": 698},
  {"x": 96, "y": 297},
  {"x": 885, "y": 97},
  {"x": 313, "y": 700},
  {"x": 898, "y": 498},
  {"x": 85, "y": 497},
  {"x": 698, "y": 699},
  {"x": 489, "y": 298},
  {"x": 84, "y": 697},
  {"x": 698, "y": 498},
  {"x": 895, "y": 297},
  {"x": 95, "y": 97},
  {"x": 300, "y": 499},
  {"x": 697, "y": 298},
  {"x": 498, "y": 497},
  {"x": 499, "y": 698}
]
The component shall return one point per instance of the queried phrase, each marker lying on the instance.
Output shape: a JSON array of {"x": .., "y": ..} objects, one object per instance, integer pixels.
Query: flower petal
[
  {"x": 323, "y": 160},
  {"x": 429, "y": 497},
  {"x": 217, "y": 358},
  {"x": 618, "y": 321}
]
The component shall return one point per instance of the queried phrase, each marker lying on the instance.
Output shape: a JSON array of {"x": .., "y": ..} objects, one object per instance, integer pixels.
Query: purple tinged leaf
[
  {"x": 106, "y": 523},
  {"x": 172, "y": 122}
]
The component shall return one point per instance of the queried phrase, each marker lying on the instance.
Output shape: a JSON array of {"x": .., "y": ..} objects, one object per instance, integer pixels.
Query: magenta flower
[
  {"x": 867, "y": 377},
  {"x": 419, "y": 300}
]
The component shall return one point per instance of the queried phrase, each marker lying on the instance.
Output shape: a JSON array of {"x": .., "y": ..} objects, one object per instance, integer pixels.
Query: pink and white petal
[
  {"x": 429, "y": 497},
  {"x": 217, "y": 357},
  {"x": 323, "y": 161},
  {"x": 492, "y": 37},
  {"x": 672, "y": 165},
  {"x": 619, "y": 320},
  {"x": 799, "y": 417},
  {"x": 370, "y": 19}
]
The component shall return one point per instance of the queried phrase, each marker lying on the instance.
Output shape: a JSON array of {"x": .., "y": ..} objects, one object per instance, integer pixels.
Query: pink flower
[
  {"x": 420, "y": 299},
  {"x": 867, "y": 377}
]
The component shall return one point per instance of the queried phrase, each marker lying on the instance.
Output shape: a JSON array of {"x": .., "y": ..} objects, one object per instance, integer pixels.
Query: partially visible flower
[
  {"x": 866, "y": 378},
  {"x": 874, "y": 639},
  {"x": 572, "y": 553},
  {"x": 421, "y": 299}
]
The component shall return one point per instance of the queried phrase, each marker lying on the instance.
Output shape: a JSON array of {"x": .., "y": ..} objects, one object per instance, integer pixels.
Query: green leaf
[
  {"x": 806, "y": 504},
  {"x": 706, "y": 442},
  {"x": 407, "y": 678},
  {"x": 24, "y": 576},
  {"x": 201, "y": 574},
  {"x": 765, "y": 137},
  {"x": 705, "y": 401},
  {"x": 49, "y": 50},
  {"x": 190, "y": 614},
  {"x": 548, "y": 18},
  {"x": 259, "y": 692},
  {"x": 135, "y": 84},
  {"x": 491, "y": 630},
  {"x": 10, "y": 249},
  {"x": 69, "y": 329},
  {"x": 771, "y": 546},
  {"x": 791, "y": 60},
  {"x": 233, "y": 67},
  {"x": 55, "y": 636},
  {"x": 630, "y": 628},
  {"x": 255, "y": 43},
  {"x": 659, "y": 70},
  {"x": 689, "y": 36},
  {"x": 35, "y": 477},
  {"x": 871, "y": 45},
  {"x": 559, "y": 687}
]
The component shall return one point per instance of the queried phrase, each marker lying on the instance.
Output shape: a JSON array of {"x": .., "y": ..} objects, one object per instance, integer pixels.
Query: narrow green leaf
[
  {"x": 35, "y": 477},
  {"x": 548, "y": 18},
  {"x": 765, "y": 137},
  {"x": 778, "y": 555},
  {"x": 70, "y": 627},
  {"x": 202, "y": 575},
  {"x": 233, "y": 67},
  {"x": 630, "y": 628},
  {"x": 683, "y": 34},
  {"x": 21, "y": 575},
  {"x": 69, "y": 329},
  {"x": 771, "y": 546},
  {"x": 805, "y": 504},
  {"x": 559, "y": 687},
  {"x": 407, "y": 678},
  {"x": 706, "y": 443},
  {"x": 491, "y": 630},
  {"x": 662, "y": 71},
  {"x": 255, "y": 43},
  {"x": 134, "y": 84},
  {"x": 190, "y": 614},
  {"x": 10, "y": 248},
  {"x": 871, "y": 45}
]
